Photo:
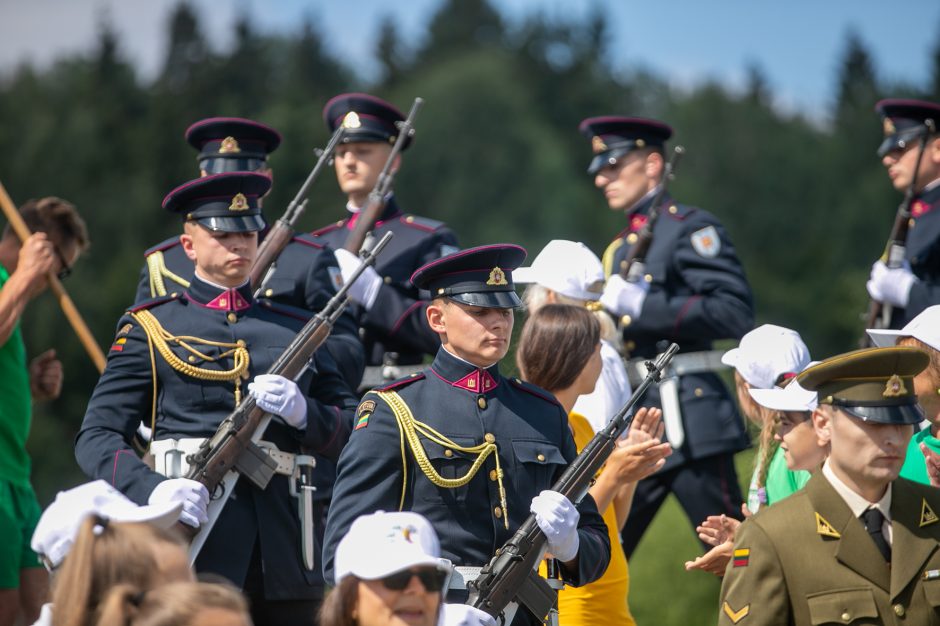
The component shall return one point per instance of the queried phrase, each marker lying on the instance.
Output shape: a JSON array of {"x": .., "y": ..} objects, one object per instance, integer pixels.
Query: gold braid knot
[
  {"x": 161, "y": 340},
  {"x": 409, "y": 428}
]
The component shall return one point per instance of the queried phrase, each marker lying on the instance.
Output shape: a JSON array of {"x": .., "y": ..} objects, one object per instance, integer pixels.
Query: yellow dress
[{"x": 603, "y": 601}]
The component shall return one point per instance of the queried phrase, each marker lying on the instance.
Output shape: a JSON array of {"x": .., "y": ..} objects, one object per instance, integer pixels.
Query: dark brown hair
[
  {"x": 933, "y": 367},
  {"x": 556, "y": 343},
  {"x": 338, "y": 605},
  {"x": 57, "y": 218}
]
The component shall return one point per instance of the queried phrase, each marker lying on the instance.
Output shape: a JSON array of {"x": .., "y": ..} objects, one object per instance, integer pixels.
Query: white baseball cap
[
  {"x": 383, "y": 543},
  {"x": 790, "y": 398},
  {"x": 766, "y": 353},
  {"x": 566, "y": 267},
  {"x": 925, "y": 327},
  {"x": 59, "y": 524}
]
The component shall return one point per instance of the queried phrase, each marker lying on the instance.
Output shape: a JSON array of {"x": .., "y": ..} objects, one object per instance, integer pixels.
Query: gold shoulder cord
[
  {"x": 157, "y": 270},
  {"x": 160, "y": 338},
  {"x": 608, "y": 258},
  {"x": 409, "y": 428}
]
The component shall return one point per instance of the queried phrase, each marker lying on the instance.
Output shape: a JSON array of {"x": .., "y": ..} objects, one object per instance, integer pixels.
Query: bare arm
[{"x": 35, "y": 259}]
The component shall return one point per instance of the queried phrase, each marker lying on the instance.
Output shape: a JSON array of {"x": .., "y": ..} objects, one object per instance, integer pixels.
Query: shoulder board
[
  {"x": 536, "y": 391},
  {"x": 421, "y": 223},
  {"x": 166, "y": 244},
  {"x": 308, "y": 240},
  {"x": 401, "y": 382},
  {"x": 328, "y": 229},
  {"x": 283, "y": 309},
  {"x": 678, "y": 211},
  {"x": 149, "y": 304}
]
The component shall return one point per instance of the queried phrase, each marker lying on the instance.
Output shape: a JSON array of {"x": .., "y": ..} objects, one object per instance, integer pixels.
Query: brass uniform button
[
  {"x": 541, "y": 458},
  {"x": 898, "y": 610},
  {"x": 448, "y": 453},
  {"x": 481, "y": 402},
  {"x": 626, "y": 320},
  {"x": 174, "y": 294},
  {"x": 192, "y": 359},
  {"x": 232, "y": 318},
  {"x": 268, "y": 293},
  {"x": 673, "y": 209},
  {"x": 387, "y": 280},
  {"x": 493, "y": 475},
  {"x": 410, "y": 219},
  {"x": 648, "y": 278},
  {"x": 631, "y": 239},
  {"x": 489, "y": 438},
  {"x": 846, "y": 617},
  {"x": 630, "y": 345},
  {"x": 498, "y": 512},
  {"x": 910, "y": 223},
  {"x": 698, "y": 392},
  {"x": 623, "y": 265}
]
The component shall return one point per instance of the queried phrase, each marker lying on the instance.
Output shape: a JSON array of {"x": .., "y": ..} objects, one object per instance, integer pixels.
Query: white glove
[
  {"x": 193, "y": 495},
  {"x": 366, "y": 288},
  {"x": 464, "y": 615},
  {"x": 621, "y": 297},
  {"x": 558, "y": 519},
  {"x": 281, "y": 396},
  {"x": 891, "y": 286}
]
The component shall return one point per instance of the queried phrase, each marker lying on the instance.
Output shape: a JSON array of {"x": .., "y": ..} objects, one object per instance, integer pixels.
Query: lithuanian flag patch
[
  {"x": 741, "y": 557},
  {"x": 363, "y": 413}
]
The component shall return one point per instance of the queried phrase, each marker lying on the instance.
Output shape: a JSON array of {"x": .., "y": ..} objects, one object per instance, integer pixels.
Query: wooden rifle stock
[
  {"x": 375, "y": 204},
  {"x": 65, "y": 302},
  {"x": 633, "y": 266},
  {"x": 283, "y": 230},
  {"x": 878, "y": 313},
  {"x": 510, "y": 573}
]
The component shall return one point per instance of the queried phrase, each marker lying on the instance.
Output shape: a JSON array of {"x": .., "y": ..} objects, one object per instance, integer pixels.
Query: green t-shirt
[
  {"x": 915, "y": 467},
  {"x": 15, "y": 405},
  {"x": 781, "y": 482}
]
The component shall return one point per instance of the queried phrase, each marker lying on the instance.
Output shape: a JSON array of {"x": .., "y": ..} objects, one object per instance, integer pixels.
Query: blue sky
[{"x": 796, "y": 42}]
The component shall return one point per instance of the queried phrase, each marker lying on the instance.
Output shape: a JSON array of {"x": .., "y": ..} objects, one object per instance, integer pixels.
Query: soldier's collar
[
  {"x": 642, "y": 206},
  {"x": 463, "y": 374},
  {"x": 930, "y": 193},
  {"x": 217, "y": 297},
  {"x": 391, "y": 210}
]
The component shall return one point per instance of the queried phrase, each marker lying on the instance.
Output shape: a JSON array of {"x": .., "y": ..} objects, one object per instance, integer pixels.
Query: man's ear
[
  {"x": 186, "y": 240},
  {"x": 654, "y": 165},
  {"x": 822, "y": 424},
  {"x": 436, "y": 316}
]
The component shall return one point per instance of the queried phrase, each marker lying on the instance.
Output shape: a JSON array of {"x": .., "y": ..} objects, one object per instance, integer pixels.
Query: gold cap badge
[
  {"x": 239, "y": 203},
  {"x": 597, "y": 144},
  {"x": 894, "y": 387},
  {"x": 889, "y": 126},
  {"x": 640, "y": 143},
  {"x": 229, "y": 145},
  {"x": 351, "y": 120},
  {"x": 497, "y": 277}
]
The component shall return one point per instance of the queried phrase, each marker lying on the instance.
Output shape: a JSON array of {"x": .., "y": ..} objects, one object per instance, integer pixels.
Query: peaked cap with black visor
[
  {"x": 480, "y": 276},
  {"x": 873, "y": 385},
  {"x": 222, "y": 202},
  {"x": 612, "y": 137},
  {"x": 232, "y": 144},
  {"x": 904, "y": 122},
  {"x": 367, "y": 119}
]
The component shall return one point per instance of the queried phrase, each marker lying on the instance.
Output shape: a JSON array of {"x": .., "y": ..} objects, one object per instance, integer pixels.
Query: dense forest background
[{"x": 497, "y": 156}]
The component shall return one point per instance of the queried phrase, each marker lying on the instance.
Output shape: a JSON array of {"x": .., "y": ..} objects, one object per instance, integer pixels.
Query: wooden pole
[{"x": 68, "y": 307}]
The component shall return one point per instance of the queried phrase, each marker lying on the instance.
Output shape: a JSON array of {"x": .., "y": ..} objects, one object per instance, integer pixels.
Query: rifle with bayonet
[
  {"x": 375, "y": 204},
  {"x": 280, "y": 234},
  {"x": 234, "y": 449},
  {"x": 633, "y": 268},
  {"x": 879, "y": 313},
  {"x": 510, "y": 575}
]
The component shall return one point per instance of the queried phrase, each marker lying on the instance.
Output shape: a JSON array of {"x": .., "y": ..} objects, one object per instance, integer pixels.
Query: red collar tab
[
  {"x": 637, "y": 222},
  {"x": 229, "y": 300},
  {"x": 920, "y": 207},
  {"x": 477, "y": 381}
]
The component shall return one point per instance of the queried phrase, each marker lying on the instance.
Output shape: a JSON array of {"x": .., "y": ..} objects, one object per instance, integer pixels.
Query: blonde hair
[
  {"x": 106, "y": 554},
  {"x": 933, "y": 366},
  {"x": 536, "y": 296},
  {"x": 173, "y": 604}
]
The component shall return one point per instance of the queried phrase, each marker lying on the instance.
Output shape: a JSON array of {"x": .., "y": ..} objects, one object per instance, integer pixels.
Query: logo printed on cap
[
  {"x": 894, "y": 387},
  {"x": 889, "y": 126},
  {"x": 229, "y": 145},
  {"x": 597, "y": 144},
  {"x": 239, "y": 203},
  {"x": 497, "y": 277},
  {"x": 351, "y": 120}
]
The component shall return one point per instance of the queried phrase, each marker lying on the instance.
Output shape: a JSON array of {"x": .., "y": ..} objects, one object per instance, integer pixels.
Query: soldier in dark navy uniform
[
  {"x": 693, "y": 292},
  {"x": 182, "y": 363},
  {"x": 306, "y": 273},
  {"x": 915, "y": 285},
  {"x": 415, "y": 441},
  {"x": 391, "y": 311}
]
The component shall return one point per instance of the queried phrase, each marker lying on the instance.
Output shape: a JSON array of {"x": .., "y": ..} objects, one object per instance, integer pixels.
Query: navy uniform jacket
[
  {"x": 698, "y": 294},
  {"x": 397, "y": 322},
  {"x": 923, "y": 253},
  {"x": 534, "y": 446},
  {"x": 188, "y": 407},
  {"x": 306, "y": 276},
  {"x": 809, "y": 560}
]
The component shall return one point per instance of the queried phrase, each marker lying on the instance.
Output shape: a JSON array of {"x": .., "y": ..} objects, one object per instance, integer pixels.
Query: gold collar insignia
[
  {"x": 927, "y": 516},
  {"x": 825, "y": 528}
]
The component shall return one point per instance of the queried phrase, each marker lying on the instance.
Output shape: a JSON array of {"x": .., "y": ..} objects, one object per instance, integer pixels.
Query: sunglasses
[
  {"x": 431, "y": 579},
  {"x": 66, "y": 269}
]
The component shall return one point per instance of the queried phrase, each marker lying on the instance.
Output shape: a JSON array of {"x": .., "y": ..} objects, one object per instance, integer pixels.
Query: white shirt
[
  {"x": 858, "y": 504},
  {"x": 610, "y": 394}
]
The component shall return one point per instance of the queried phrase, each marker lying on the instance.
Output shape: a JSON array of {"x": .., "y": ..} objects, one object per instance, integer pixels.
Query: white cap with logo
[
  {"x": 766, "y": 353},
  {"x": 59, "y": 524},
  {"x": 790, "y": 398},
  {"x": 383, "y": 543},
  {"x": 566, "y": 267},
  {"x": 925, "y": 327}
]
